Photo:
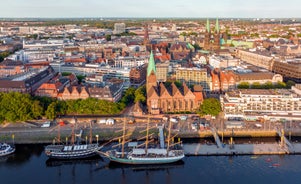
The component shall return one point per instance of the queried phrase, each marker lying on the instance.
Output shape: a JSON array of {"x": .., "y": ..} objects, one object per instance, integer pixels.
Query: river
[{"x": 30, "y": 165}]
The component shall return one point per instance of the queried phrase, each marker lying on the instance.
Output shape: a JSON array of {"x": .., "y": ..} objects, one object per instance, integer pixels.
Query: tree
[
  {"x": 256, "y": 85},
  {"x": 211, "y": 106},
  {"x": 36, "y": 109},
  {"x": 66, "y": 73},
  {"x": 51, "y": 111},
  {"x": 268, "y": 85},
  {"x": 3, "y": 55},
  {"x": 108, "y": 37},
  {"x": 80, "y": 78},
  {"x": 280, "y": 85},
  {"x": 140, "y": 94},
  {"x": 289, "y": 84},
  {"x": 243, "y": 85},
  {"x": 129, "y": 96}
]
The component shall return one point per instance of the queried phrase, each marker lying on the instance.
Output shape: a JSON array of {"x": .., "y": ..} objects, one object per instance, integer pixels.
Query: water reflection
[
  {"x": 87, "y": 161},
  {"x": 154, "y": 167}
]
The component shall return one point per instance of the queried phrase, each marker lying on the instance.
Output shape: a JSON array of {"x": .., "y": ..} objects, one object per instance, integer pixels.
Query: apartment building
[
  {"x": 261, "y": 102},
  {"x": 194, "y": 76}
]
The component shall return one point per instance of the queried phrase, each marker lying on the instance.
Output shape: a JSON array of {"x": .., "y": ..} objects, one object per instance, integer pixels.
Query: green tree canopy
[
  {"x": 129, "y": 96},
  {"x": 289, "y": 84},
  {"x": 268, "y": 85},
  {"x": 19, "y": 107},
  {"x": 211, "y": 106},
  {"x": 140, "y": 94},
  {"x": 243, "y": 85},
  {"x": 256, "y": 85},
  {"x": 280, "y": 85}
]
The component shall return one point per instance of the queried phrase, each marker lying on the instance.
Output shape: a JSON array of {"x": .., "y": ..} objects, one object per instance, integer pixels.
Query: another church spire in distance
[
  {"x": 216, "y": 26},
  {"x": 208, "y": 26}
]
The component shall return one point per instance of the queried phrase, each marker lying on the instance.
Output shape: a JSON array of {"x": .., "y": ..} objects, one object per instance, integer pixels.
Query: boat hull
[
  {"x": 8, "y": 150},
  {"x": 72, "y": 156},
  {"x": 57, "y": 152},
  {"x": 145, "y": 161}
]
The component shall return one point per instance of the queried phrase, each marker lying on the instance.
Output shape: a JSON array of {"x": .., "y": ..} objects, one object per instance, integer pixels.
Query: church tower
[
  {"x": 151, "y": 79},
  {"x": 207, "y": 36},
  {"x": 217, "y": 43},
  {"x": 146, "y": 41}
]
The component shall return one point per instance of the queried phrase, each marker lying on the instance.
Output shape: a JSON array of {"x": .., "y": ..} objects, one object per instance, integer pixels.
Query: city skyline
[{"x": 146, "y": 9}]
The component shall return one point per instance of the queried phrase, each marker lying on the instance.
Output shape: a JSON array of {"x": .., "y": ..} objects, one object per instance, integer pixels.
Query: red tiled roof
[{"x": 75, "y": 60}]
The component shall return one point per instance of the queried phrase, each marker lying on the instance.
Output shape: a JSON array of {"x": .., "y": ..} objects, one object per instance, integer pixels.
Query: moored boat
[
  {"x": 6, "y": 149},
  {"x": 153, "y": 156},
  {"x": 72, "y": 151},
  {"x": 147, "y": 155}
]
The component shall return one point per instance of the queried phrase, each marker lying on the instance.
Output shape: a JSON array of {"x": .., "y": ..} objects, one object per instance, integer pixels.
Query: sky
[{"x": 151, "y": 8}]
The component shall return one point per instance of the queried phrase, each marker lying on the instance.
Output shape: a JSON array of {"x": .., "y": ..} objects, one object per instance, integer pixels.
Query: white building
[
  {"x": 130, "y": 61},
  {"x": 261, "y": 103},
  {"x": 119, "y": 28}
]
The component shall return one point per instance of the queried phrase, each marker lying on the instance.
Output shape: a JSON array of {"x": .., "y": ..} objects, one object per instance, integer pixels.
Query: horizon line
[{"x": 116, "y": 17}]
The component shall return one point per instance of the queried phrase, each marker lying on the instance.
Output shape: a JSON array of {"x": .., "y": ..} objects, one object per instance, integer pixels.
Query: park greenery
[
  {"x": 210, "y": 106},
  {"x": 4, "y": 55},
  {"x": 267, "y": 85},
  {"x": 16, "y": 107}
]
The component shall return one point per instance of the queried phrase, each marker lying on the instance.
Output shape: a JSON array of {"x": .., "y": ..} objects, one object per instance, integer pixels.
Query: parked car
[
  {"x": 102, "y": 121},
  {"x": 174, "y": 120},
  {"x": 110, "y": 121},
  {"x": 165, "y": 118},
  {"x": 46, "y": 124},
  {"x": 184, "y": 118}
]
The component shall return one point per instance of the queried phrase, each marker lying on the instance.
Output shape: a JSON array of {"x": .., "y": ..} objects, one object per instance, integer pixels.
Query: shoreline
[{"x": 221, "y": 146}]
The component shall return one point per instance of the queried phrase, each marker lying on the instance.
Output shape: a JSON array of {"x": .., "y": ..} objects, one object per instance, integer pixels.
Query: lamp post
[
  {"x": 13, "y": 136},
  {"x": 96, "y": 138}
]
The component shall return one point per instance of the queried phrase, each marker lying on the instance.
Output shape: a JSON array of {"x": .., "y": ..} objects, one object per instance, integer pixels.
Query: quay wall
[{"x": 46, "y": 135}]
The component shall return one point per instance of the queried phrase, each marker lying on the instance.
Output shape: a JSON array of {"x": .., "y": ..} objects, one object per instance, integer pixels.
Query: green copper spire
[
  {"x": 216, "y": 26},
  {"x": 208, "y": 26},
  {"x": 151, "y": 64}
]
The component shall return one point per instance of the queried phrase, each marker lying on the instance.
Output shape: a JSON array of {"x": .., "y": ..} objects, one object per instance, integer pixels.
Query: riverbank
[
  {"x": 222, "y": 145},
  {"x": 35, "y": 135}
]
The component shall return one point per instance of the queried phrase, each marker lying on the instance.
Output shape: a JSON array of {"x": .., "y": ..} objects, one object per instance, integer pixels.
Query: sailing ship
[
  {"x": 147, "y": 155},
  {"x": 73, "y": 151},
  {"x": 6, "y": 149}
]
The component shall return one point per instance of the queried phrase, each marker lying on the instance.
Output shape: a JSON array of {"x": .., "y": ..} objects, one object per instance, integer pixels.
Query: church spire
[
  {"x": 151, "y": 64},
  {"x": 216, "y": 26},
  {"x": 208, "y": 26},
  {"x": 146, "y": 35}
]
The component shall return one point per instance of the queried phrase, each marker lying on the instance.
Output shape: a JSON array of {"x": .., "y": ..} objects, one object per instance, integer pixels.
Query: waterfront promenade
[{"x": 33, "y": 133}]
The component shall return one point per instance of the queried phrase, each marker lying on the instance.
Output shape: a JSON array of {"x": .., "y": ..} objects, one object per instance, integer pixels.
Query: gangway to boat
[
  {"x": 161, "y": 135},
  {"x": 285, "y": 142},
  {"x": 216, "y": 137}
]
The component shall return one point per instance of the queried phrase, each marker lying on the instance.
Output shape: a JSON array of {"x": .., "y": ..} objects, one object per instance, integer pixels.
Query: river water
[{"x": 30, "y": 165}]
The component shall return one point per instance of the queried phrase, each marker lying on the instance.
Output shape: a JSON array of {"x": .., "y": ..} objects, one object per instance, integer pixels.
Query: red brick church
[{"x": 163, "y": 98}]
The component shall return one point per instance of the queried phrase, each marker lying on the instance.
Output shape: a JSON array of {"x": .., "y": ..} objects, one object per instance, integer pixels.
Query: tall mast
[
  {"x": 168, "y": 138},
  {"x": 59, "y": 133},
  {"x": 123, "y": 138},
  {"x": 72, "y": 135},
  {"x": 90, "y": 138},
  {"x": 146, "y": 138}
]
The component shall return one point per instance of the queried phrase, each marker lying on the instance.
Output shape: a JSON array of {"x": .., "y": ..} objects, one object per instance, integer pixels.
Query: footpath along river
[{"x": 30, "y": 165}]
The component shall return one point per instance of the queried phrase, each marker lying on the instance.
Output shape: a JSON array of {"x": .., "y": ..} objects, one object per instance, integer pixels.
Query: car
[
  {"x": 165, "y": 118},
  {"x": 46, "y": 124},
  {"x": 173, "y": 120},
  {"x": 184, "y": 118}
]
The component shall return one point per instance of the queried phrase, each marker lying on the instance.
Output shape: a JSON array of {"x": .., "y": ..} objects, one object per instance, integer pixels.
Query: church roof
[{"x": 151, "y": 64}]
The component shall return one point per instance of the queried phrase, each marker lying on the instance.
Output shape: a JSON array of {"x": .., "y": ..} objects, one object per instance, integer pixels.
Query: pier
[{"x": 196, "y": 149}]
